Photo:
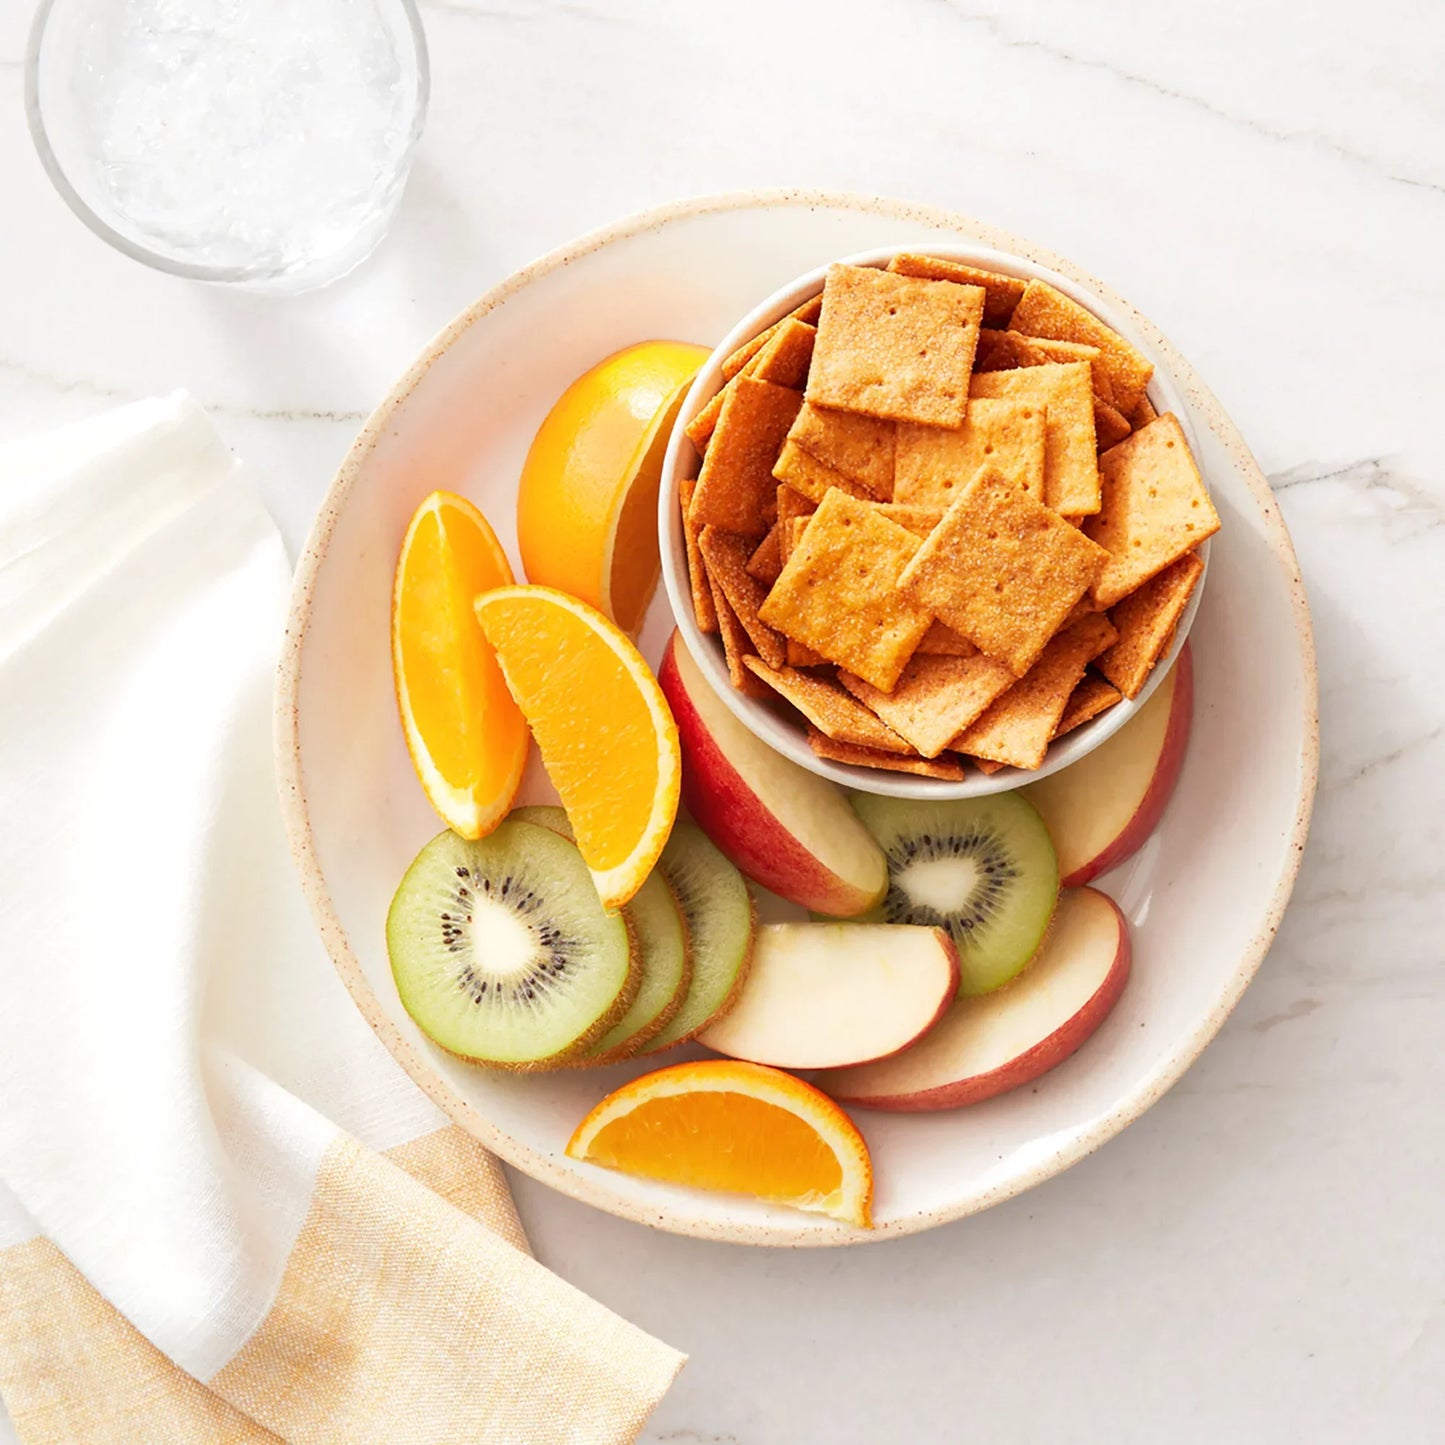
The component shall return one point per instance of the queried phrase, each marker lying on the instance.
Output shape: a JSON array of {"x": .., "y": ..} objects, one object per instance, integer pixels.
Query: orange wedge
[
  {"x": 467, "y": 738},
  {"x": 607, "y": 738},
  {"x": 722, "y": 1124},
  {"x": 587, "y": 502}
]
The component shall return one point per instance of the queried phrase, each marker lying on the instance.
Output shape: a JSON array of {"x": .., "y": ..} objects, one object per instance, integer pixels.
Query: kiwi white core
[
  {"x": 939, "y": 883},
  {"x": 498, "y": 935}
]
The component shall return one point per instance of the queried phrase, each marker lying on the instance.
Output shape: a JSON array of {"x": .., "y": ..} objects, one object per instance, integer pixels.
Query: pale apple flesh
[
  {"x": 987, "y": 1045},
  {"x": 786, "y": 828},
  {"x": 1100, "y": 810},
  {"x": 825, "y": 995}
]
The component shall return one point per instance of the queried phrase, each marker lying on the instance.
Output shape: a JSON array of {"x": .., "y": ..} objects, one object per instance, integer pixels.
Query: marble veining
[
  {"x": 999, "y": 30},
  {"x": 1259, "y": 1258}
]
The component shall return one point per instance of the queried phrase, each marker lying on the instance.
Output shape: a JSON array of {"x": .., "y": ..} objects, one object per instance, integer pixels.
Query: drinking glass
[{"x": 262, "y": 143}]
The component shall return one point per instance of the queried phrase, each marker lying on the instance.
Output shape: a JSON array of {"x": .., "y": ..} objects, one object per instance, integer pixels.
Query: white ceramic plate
[
  {"x": 783, "y": 732},
  {"x": 1203, "y": 897}
]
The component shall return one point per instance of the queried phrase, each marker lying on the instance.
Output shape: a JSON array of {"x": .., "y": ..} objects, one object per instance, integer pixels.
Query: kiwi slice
[
  {"x": 719, "y": 911},
  {"x": 983, "y": 868},
  {"x": 666, "y": 961},
  {"x": 501, "y": 950}
]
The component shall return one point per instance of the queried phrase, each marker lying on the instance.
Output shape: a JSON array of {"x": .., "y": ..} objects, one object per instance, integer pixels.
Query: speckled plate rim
[{"x": 594, "y": 1191}]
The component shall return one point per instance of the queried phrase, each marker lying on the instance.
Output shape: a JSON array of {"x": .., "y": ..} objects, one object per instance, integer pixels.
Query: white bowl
[{"x": 777, "y": 728}]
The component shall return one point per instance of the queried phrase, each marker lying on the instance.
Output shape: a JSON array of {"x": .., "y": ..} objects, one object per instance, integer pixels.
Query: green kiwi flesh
[
  {"x": 719, "y": 911},
  {"x": 982, "y": 868},
  {"x": 501, "y": 950},
  {"x": 666, "y": 962}
]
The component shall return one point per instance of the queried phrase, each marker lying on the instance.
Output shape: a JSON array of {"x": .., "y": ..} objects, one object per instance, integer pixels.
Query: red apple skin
[
  {"x": 742, "y": 825},
  {"x": 1023, "y": 1068},
  {"x": 1161, "y": 786}
]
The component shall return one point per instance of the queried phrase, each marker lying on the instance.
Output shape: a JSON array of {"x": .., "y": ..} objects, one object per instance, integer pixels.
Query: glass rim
[{"x": 50, "y": 161}]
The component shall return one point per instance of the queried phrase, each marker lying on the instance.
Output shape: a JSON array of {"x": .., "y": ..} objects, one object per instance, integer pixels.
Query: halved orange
[
  {"x": 587, "y": 503},
  {"x": 607, "y": 737},
  {"x": 467, "y": 738},
  {"x": 723, "y": 1124}
]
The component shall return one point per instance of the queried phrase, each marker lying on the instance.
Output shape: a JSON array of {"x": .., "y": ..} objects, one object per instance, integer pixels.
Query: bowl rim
[
  {"x": 592, "y": 1188},
  {"x": 772, "y": 726}
]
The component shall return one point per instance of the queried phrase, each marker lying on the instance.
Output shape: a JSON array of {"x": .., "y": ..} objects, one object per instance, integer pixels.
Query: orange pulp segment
[
  {"x": 607, "y": 737},
  {"x": 724, "y": 1124},
  {"x": 467, "y": 738}
]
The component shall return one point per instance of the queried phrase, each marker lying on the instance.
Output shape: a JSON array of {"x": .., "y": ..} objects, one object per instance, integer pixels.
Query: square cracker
[
  {"x": 935, "y": 698},
  {"x": 1001, "y": 293},
  {"x": 702, "y": 604},
  {"x": 1091, "y": 697},
  {"x": 1146, "y": 620},
  {"x": 984, "y": 765},
  {"x": 942, "y": 641},
  {"x": 1111, "y": 426},
  {"x": 807, "y": 313},
  {"x": 1002, "y": 569},
  {"x": 1155, "y": 508},
  {"x": 788, "y": 539},
  {"x": 895, "y": 347},
  {"x": 1071, "y": 463},
  {"x": 811, "y": 478},
  {"x": 1002, "y": 350},
  {"x": 1016, "y": 729},
  {"x": 1005, "y": 350},
  {"x": 839, "y": 592},
  {"x": 727, "y": 556},
  {"x": 1044, "y": 311},
  {"x": 1041, "y": 350},
  {"x": 919, "y": 520},
  {"x": 792, "y": 503},
  {"x": 737, "y": 645},
  {"x": 828, "y": 708},
  {"x": 933, "y": 463},
  {"x": 736, "y": 489},
  {"x": 861, "y": 447},
  {"x": 783, "y": 361},
  {"x": 767, "y": 560},
  {"x": 949, "y": 769},
  {"x": 1142, "y": 414}
]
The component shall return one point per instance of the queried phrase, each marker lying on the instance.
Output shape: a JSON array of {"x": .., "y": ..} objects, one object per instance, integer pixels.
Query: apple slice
[
  {"x": 997, "y": 1041},
  {"x": 786, "y": 828},
  {"x": 824, "y": 995},
  {"x": 1100, "y": 810}
]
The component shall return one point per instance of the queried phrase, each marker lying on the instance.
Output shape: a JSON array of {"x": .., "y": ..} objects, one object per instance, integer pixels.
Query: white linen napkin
[{"x": 193, "y": 1116}]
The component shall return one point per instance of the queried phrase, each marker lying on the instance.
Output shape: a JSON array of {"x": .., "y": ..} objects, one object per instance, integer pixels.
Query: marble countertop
[{"x": 1260, "y": 1258}]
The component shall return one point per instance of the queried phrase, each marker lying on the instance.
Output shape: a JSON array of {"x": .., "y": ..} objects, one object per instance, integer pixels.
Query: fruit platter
[{"x": 755, "y": 733}]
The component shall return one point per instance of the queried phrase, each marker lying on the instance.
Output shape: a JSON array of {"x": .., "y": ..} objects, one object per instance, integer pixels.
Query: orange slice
[
  {"x": 722, "y": 1124},
  {"x": 607, "y": 738},
  {"x": 467, "y": 738},
  {"x": 587, "y": 503}
]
